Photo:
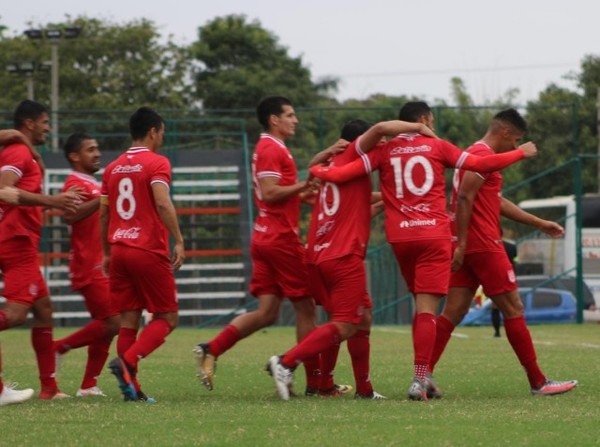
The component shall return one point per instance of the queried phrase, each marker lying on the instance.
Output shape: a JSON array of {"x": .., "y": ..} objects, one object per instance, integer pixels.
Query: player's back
[
  {"x": 413, "y": 186},
  {"x": 134, "y": 220}
]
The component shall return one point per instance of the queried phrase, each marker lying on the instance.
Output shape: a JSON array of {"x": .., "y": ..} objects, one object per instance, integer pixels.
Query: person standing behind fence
[
  {"x": 479, "y": 255},
  {"x": 20, "y": 233},
  {"x": 85, "y": 264},
  {"x": 136, "y": 218},
  {"x": 276, "y": 251}
]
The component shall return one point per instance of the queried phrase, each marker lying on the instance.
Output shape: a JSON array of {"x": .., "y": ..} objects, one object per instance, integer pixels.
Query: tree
[{"x": 239, "y": 62}]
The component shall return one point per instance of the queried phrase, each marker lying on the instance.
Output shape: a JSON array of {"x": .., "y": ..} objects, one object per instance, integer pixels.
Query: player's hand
[
  {"x": 427, "y": 131},
  {"x": 457, "y": 259},
  {"x": 338, "y": 147},
  {"x": 9, "y": 195},
  {"x": 551, "y": 228},
  {"x": 178, "y": 256},
  {"x": 530, "y": 149},
  {"x": 105, "y": 265},
  {"x": 68, "y": 201}
]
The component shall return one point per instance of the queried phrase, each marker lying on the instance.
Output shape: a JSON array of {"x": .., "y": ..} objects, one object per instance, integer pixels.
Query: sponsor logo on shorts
[
  {"x": 418, "y": 223},
  {"x": 511, "y": 276},
  {"x": 127, "y": 169},
  {"x": 127, "y": 233},
  {"x": 33, "y": 290}
]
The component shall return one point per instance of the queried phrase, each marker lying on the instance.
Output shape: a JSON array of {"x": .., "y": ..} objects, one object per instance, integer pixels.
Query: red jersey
[
  {"x": 21, "y": 220},
  {"x": 341, "y": 218},
  {"x": 86, "y": 246},
  {"x": 276, "y": 222},
  {"x": 127, "y": 182},
  {"x": 484, "y": 233}
]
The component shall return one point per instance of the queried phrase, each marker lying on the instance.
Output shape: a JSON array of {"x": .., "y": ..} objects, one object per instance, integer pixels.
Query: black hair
[
  {"x": 27, "y": 110},
  {"x": 353, "y": 129},
  {"x": 142, "y": 120},
  {"x": 271, "y": 105},
  {"x": 511, "y": 117},
  {"x": 412, "y": 111},
  {"x": 74, "y": 142}
]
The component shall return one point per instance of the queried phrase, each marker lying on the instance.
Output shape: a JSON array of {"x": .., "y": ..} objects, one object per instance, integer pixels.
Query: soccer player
[
  {"x": 277, "y": 253},
  {"x": 20, "y": 232},
  {"x": 136, "y": 218},
  {"x": 480, "y": 257},
  {"x": 411, "y": 169},
  {"x": 85, "y": 264},
  {"x": 337, "y": 243}
]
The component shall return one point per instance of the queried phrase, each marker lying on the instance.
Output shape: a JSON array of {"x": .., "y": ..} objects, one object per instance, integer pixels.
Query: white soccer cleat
[
  {"x": 90, "y": 392},
  {"x": 282, "y": 376},
  {"x": 10, "y": 395},
  {"x": 552, "y": 387}
]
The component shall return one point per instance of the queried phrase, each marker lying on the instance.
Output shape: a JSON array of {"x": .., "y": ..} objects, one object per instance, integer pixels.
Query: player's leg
[
  {"x": 9, "y": 394},
  {"x": 359, "y": 347}
]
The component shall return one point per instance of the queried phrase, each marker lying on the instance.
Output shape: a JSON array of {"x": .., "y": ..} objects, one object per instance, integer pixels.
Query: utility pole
[{"x": 598, "y": 134}]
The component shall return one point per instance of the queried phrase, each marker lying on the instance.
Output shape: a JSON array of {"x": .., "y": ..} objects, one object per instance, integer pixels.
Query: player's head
[
  {"x": 31, "y": 118},
  {"x": 508, "y": 126},
  {"x": 353, "y": 129},
  {"x": 276, "y": 114},
  {"x": 416, "y": 112},
  {"x": 147, "y": 125},
  {"x": 82, "y": 152}
]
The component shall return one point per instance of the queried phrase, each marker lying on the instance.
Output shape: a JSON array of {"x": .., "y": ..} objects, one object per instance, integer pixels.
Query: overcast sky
[{"x": 384, "y": 46}]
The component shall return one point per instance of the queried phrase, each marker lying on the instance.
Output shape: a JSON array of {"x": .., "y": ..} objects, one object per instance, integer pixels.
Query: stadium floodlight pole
[{"x": 54, "y": 36}]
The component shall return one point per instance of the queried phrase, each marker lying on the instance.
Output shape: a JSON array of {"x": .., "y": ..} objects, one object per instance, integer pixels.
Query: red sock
[
  {"x": 41, "y": 340},
  {"x": 327, "y": 362},
  {"x": 424, "y": 335},
  {"x": 151, "y": 337},
  {"x": 319, "y": 340},
  {"x": 359, "y": 346},
  {"x": 3, "y": 321},
  {"x": 520, "y": 339},
  {"x": 97, "y": 355},
  {"x": 125, "y": 340},
  {"x": 443, "y": 331},
  {"x": 312, "y": 370},
  {"x": 224, "y": 341},
  {"x": 90, "y": 333}
]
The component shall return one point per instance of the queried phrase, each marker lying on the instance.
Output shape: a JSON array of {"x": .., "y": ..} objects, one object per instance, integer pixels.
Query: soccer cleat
[
  {"x": 124, "y": 377},
  {"x": 141, "y": 397},
  {"x": 52, "y": 394},
  {"x": 10, "y": 395},
  {"x": 373, "y": 396},
  {"x": 207, "y": 363},
  {"x": 433, "y": 391},
  {"x": 337, "y": 390},
  {"x": 90, "y": 392},
  {"x": 552, "y": 387},
  {"x": 417, "y": 390},
  {"x": 282, "y": 376}
]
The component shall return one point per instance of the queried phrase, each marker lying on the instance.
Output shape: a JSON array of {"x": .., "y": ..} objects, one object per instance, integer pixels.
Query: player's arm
[
  {"x": 340, "y": 174},
  {"x": 104, "y": 222},
  {"x": 68, "y": 201},
  {"x": 11, "y": 136},
  {"x": 494, "y": 162},
  {"x": 84, "y": 210},
  {"x": 273, "y": 192},
  {"x": 10, "y": 195},
  {"x": 168, "y": 215},
  {"x": 465, "y": 197},
  {"x": 375, "y": 133},
  {"x": 513, "y": 212},
  {"x": 325, "y": 155}
]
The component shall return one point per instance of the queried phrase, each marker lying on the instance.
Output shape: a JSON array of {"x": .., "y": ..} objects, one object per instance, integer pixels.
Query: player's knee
[{"x": 16, "y": 318}]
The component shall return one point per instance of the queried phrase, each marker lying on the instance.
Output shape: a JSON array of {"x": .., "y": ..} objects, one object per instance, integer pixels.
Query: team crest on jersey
[{"x": 33, "y": 289}]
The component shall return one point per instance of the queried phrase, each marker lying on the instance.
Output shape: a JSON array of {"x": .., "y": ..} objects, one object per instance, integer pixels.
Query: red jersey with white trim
[
  {"x": 278, "y": 221},
  {"x": 21, "y": 220},
  {"x": 127, "y": 182},
  {"x": 341, "y": 218},
  {"x": 411, "y": 168},
  {"x": 484, "y": 233},
  {"x": 86, "y": 246}
]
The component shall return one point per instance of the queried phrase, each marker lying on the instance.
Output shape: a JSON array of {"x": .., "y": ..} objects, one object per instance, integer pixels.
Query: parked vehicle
[
  {"x": 560, "y": 283},
  {"x": 542, "y": 305}
]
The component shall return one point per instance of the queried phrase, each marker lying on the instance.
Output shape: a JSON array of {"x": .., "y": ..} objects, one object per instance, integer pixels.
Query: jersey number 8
[{"x": 126, "y": 195}]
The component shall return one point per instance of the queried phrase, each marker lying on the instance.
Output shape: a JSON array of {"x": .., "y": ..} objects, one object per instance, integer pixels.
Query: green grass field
[{"x": 486, "y": 402}]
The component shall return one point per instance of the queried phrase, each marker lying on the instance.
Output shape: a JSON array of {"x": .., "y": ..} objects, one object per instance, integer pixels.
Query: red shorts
[
  {"x": 492, "y": 270},
  {"x": 97, "y": 297},
  {"x": 279, "y": 270},
  {"x": 23, "y": 281},
  {"x": 340, "y": 286},
  {"x": 425, "y": 264},
  {"x": 140, "y": 280}
]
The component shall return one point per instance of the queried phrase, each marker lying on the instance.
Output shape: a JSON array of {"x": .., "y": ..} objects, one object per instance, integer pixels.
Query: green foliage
[{"x": 486, "y": 400}]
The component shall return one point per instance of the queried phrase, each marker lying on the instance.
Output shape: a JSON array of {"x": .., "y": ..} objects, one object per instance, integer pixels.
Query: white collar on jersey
[
  {"x": 135, "y": 150},
  {"x": 277, "y": 140},
  {"x": 84, "y": 176}
]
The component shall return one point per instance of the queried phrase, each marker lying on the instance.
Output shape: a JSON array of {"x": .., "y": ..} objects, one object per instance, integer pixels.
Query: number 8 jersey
[{"x": 127, "y": 182}]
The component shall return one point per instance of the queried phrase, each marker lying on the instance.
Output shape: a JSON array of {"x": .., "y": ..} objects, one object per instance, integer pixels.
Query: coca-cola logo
[{"x": 127, "y": 233}]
